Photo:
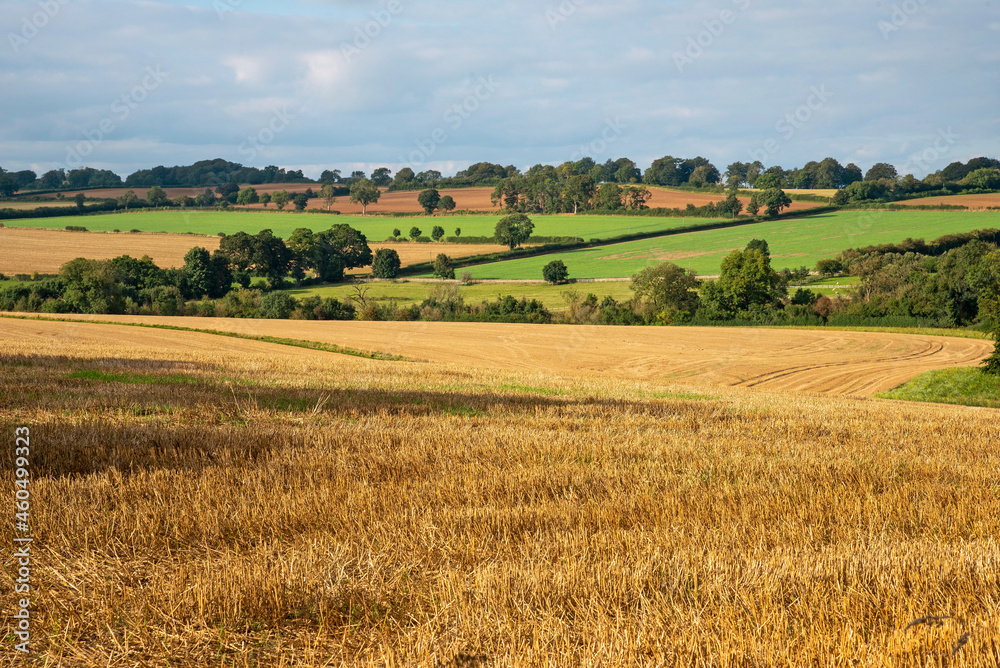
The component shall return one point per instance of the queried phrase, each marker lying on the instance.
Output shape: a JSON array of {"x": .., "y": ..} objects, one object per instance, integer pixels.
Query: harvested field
[
  {"x": 677, "y": 199},
  {"x": 822, "y": 362},
  {"x": 24, "y": 250},
  {"x": 28, "y": 205},
  {"x": 201, "y": 501},
  {"x": 974, "y": 202}
]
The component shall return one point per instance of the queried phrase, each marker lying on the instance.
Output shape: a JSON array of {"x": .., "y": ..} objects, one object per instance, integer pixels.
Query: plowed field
[
  {"x": 972, "y": 201},
  {"x": 832, "y": 363},
  {"x": 470, "y": 199}
]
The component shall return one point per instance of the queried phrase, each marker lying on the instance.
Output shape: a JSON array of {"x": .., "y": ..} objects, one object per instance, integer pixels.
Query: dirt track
[{"x": 823, "y": 362}]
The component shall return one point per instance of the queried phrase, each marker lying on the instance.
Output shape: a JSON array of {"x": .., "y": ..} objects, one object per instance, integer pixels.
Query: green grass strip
[
  {"x": 967, "y": 386},
  {"x": 298, "y": 343}
]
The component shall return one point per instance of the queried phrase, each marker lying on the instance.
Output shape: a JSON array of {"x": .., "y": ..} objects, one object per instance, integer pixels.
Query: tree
[
  {"x": 609, "y": 196},
  {"x": 300, "y": 201},
  {"x": 429, "y": 199},
  {"x": 636, "y": 198},
  {"x": 761, "y": 245},
  {"x": 206, "y": 275},
  {"x": 248, "y": 196},
  {"x": 513, "y": 230},
  {"x": 991, "y": 364},
  {"x": 766, "y": 181},
  {"x": 403, "y": 177},
  {"x": 281, "y": 198},
  {"x": 555, "y": 272},
  {"x": 381, "y": 177},
  {"x": 128, "y": 198},
  {"x": 458, "y": 231},
  {"x": 447, "y": 203},
  {"x": 396, "y": 232},
  {"x": 205, "y": 199},
  {"x": 276, "y": 305},
  {"x": 437, "y": 232},
  {"x": 80, "y": 198},
  {"x": 880, "y": 171},
  {"x": 443, "y": 267},
  {"x": 415, "y": 232},
  {"x": 666, "y": 292},
  {"x": 8, "y": 184},
  {"x": 578, "y": 191},
  {"x": 156, "y": 197},
  {"x": 386, "y": 263},
  {"x": 829, "y": 267},
  {"x": 748, "y": 279},
  {"x": 226, "y": 189},
  {"x": 364, "y": 192},
  {"x": 772, "y": 199},
  {"x": 328, "y": 196},
  {"x": 986, "y": 178},
  {"x": 731, "y": 205},
  {"x": 265, "y": 199}
]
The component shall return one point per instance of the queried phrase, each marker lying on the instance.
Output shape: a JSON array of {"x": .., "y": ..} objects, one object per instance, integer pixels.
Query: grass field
[
  {"x": 793, "y": 243},
  {"x": 406, "y": 293},
  {"x": 964, "y": 386},
  {"x": 198, "y": 501},
  {"x": 376, "y": 228}
]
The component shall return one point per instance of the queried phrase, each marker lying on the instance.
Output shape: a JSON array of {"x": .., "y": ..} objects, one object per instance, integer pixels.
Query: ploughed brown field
[
  {"x": 469, "y": 199},
  {"x": 25, "y": 250},
  {"x": 824, "y": 362},
  {"x": 534, "y": 496},
  {"x": 971, "y": 201}
]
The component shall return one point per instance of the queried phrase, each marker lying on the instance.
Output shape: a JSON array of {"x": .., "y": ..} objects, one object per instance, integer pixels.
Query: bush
[
  {"x": 75, "y": 228},
  {"x": 437, "y": 233},
  {"x": 386, "y": 263},
  {"x": 277, "y": 305},
  {"x": 442, "y": 266},
  {"x": 555, "y": 272}
]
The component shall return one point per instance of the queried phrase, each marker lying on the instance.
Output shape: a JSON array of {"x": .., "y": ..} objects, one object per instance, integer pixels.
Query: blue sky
[{"x": 438, "y": 84}]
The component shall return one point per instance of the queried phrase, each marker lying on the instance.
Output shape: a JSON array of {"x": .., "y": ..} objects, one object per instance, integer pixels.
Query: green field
[
  {"x": 965, "y": 386},
  {"x": 405, "y": 293},
  {"x": 794, "y": 243},
  {"x": 376, "y": 228},
  {"x": 832, "y": 287}
]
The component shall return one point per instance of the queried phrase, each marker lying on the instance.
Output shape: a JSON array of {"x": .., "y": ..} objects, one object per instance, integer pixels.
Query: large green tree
[
  {"x": 248, "y": 196},
  {"x": 514, "y": 230},
  {"x": 386, "y": 263},
  {"x": 429, "y": 199},
  {"x": 364, "y": 192},
  {"x": 666, "y": 292}
]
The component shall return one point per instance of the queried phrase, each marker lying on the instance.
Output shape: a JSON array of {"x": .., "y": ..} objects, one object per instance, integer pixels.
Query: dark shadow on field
[{"x": 134, "y": 415}]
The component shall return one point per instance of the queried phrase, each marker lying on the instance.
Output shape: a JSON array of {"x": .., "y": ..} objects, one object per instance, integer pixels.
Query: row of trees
[{"x": 666, "y": 171}]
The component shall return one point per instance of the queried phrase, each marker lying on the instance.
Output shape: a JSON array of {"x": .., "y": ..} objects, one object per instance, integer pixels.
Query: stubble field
[{"x": 205, "y": 501}]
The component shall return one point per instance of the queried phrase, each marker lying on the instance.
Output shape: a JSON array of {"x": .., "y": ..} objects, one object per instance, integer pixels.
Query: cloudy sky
[{"x": 437, "y": 84}]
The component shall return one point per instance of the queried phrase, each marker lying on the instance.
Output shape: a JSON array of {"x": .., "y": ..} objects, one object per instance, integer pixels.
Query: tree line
[{"x": 697, "y": 172}]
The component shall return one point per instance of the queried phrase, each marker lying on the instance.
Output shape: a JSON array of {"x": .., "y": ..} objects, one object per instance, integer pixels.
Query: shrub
[
  {"x": 442, "y": 266},
  {"x": 386, "y": 263},
  {"x": 437, "y": 233},
  {"x": 555, "y": 272},
  {"x": 76, "y": 228},
  {"x": 277, "y": 305}
]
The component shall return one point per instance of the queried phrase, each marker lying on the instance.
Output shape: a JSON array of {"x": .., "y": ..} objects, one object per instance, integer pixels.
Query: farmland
[
  {"x": 991, "y": 200},
  {"x": 27, "y": 250},
  {"x": 376, "y": 228},
  {"x": 199, "y": 500},
  {"x": 793, "y": 243}
]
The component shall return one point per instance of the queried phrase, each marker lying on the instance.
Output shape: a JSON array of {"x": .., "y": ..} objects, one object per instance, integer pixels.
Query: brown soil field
[
  {"x": 24, "y": 250},
  {"x": 831, "y": 363},
  {"x": 199, "y": 501},
  {"x": 972, "y": 201}
]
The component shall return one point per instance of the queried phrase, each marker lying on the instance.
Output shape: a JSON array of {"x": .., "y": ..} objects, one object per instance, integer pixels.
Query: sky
[{"x": 440, "y": 84}]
